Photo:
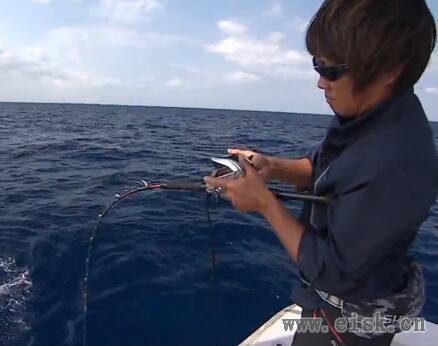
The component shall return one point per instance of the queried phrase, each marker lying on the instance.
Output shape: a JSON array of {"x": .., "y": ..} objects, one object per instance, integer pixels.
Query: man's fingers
[
  {"x": 216, "y": 182},
  {"x": 246, "y": 153},
  {"x": 225, "y": 194},
  {"x": 249, "y": 168}
]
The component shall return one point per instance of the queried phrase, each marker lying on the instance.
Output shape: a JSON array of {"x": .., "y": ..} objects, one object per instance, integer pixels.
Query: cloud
[
  {"x": 231, "y": 27},
  {"x": 37, "y": 67},
  {"x": 127, "y": 10},
  {"x": 174, "y": 83},
  {"x": 67, "y": 55},
  {"x": 194, "y": 78},
  {"x": 71, "y": 42},
  {"x": 270, "y": 58},
  {"x": 113, "y": 36},
  {"x": 431, "y": 90},
  {"x": 244, "y": 77},
  {"x": 275, "y": 10},
  {"x": 246, "y": 50}
]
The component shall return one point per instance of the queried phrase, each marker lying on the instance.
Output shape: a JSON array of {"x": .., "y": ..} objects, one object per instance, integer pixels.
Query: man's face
[
  {"x": 339, "y": 95},
  {"x": 343, "y": 101}
]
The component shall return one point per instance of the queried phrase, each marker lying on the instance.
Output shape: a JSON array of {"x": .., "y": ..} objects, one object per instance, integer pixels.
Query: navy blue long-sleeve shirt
[{"x": 381, "y": 172}]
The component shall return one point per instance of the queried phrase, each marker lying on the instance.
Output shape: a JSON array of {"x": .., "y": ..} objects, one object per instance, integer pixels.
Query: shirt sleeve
[
  {"x": 363, "y": 225},
  {"x": 313, "y": 153}
]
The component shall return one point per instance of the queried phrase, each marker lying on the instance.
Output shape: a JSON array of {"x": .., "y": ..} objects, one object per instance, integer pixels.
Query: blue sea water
[{"x": 150, "y": 276}]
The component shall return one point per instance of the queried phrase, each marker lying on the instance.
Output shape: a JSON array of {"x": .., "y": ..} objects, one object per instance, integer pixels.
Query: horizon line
[
  {"x": 179, "y": 107},
  {"x": 155, "y": 106}
]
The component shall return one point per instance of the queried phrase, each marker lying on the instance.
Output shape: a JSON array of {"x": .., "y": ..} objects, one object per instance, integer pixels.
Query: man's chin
[{"x": 333, "y": 109}]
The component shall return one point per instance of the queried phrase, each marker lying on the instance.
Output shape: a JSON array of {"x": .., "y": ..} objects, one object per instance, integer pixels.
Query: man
[{"x": 377, "y": 164}]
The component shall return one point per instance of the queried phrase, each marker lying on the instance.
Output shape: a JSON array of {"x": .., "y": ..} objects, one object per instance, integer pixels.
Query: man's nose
[{"x": 322, "y": 83}]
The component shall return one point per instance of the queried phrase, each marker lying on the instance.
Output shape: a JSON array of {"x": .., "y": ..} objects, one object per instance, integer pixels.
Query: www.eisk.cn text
[{"x": 375, "y": 324}]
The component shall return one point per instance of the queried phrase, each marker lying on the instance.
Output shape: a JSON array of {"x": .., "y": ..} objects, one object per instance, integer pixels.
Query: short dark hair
[{"x": 374, "y": 37}]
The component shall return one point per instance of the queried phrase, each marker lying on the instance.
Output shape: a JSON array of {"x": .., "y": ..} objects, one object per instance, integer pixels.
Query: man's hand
[
  {"x": 250, "y": 193},
  {"x": 247, "y": 193},
  {"x": 259, "y": 161}
]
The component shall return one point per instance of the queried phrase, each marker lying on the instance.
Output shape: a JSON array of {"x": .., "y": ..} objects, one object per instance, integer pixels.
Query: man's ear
[{"x": 389, "y": 78}]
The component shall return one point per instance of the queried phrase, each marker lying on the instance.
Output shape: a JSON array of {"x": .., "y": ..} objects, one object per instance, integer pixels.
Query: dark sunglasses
[{"x": 330, "y": 72}]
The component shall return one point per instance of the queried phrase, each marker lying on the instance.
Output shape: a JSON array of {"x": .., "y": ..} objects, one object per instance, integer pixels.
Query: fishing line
[
  {"x": 213, "y": 282},
  {"x": 229, "y": 167},
  {"x": 117, "y": 199},
  {"x": 184, "y": 185}
]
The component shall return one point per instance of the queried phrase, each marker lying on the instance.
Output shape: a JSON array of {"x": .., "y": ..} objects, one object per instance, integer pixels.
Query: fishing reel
[
  {"x": 226, "y": 167},
  {"x": 230, "y": 167}
]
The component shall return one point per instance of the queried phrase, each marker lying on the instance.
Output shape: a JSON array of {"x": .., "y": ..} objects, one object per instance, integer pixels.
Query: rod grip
[
  {"x": 297, "y": 196},
  {"x": 184, "y": 185}
]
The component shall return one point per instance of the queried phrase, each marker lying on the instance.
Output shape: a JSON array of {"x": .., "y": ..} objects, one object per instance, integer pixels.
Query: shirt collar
[{"x": 343, "y": 131}]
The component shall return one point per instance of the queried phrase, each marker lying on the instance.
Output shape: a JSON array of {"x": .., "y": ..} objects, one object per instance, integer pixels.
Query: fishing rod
[{"x": 225, "y": 167}]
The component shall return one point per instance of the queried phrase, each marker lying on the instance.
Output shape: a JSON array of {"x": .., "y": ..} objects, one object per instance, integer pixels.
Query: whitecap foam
[{"x": 15, "y": 293}]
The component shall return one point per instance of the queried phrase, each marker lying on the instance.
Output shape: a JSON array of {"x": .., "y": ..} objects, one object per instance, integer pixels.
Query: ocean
[{"x": 151, "y": 273}]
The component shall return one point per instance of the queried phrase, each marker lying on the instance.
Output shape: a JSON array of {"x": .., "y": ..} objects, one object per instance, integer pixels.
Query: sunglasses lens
[{"x": 329, "y": 72}]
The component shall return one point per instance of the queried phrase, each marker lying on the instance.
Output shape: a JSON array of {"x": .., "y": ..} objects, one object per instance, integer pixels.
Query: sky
[{"x": 228, "y": 54}]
